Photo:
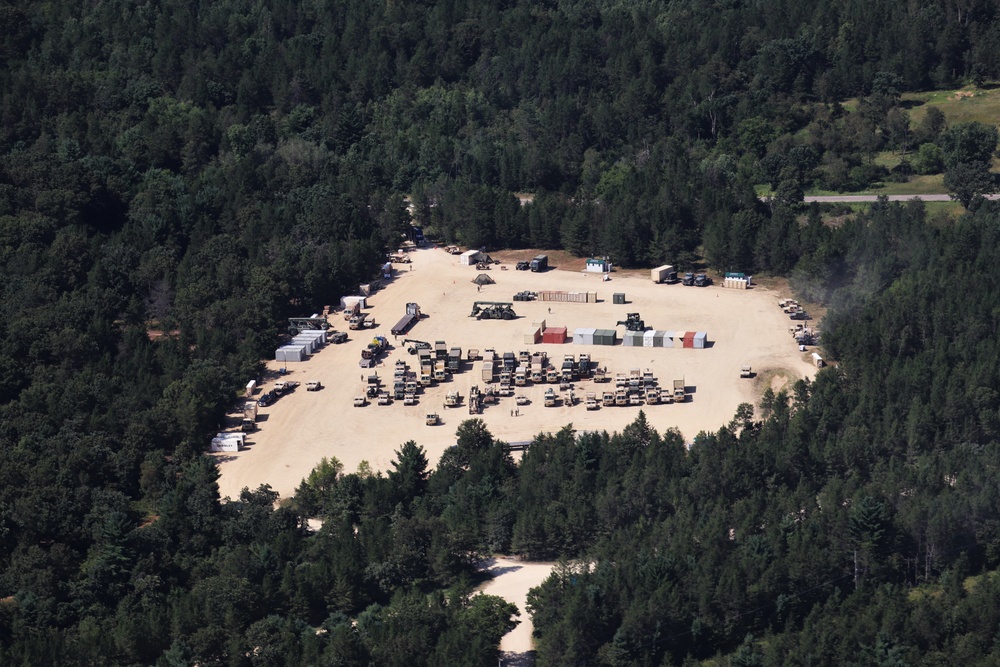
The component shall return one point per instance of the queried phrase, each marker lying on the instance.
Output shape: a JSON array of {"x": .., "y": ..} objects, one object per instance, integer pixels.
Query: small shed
[
  {"x": 598, "y": 265},
  {"x": 484, "y": 279},
  {"x": 618, "y": 298}
]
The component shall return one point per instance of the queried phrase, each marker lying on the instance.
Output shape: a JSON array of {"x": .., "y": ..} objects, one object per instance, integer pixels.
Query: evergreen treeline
[{"x": 176, "y": 178}]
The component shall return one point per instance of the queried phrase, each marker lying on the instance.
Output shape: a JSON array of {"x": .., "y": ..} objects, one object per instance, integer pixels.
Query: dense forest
[{"x": 177, "y": 177}]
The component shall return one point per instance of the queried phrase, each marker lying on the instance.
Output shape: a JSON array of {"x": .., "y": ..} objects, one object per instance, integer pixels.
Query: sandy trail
[{"x": 512, "y": 581}]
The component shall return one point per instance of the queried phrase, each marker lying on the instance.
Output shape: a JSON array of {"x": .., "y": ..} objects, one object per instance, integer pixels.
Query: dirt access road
[{"x": 744, "y": 327}]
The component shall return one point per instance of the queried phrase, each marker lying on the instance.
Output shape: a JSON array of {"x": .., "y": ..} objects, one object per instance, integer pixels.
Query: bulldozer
[
  {"x": 492, "y": 310},
  {"x": 632, "y": 322}
]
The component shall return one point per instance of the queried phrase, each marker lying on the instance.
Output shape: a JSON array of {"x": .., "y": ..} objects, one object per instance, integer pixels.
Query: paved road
[{"x": 848, "y": 199}]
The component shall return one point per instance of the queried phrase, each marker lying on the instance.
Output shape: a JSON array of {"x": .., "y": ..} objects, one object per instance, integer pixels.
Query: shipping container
[
  {"x": 556, "y": 335},
  {"x": 658, "y": 337},
  {"x": 487, "y": 371},
  {"x": 307, "y": 342},
  {"x": 567, "y": 297},
  {"x": 618, "y": 298},
  {"x": 469, "y": 258},
  {"x": 679, "y": 338},
  {"x": 689, "y": 339},
  {"x": 538, "y": 325},
  {"x": 700, "y": 338},
  {"x": 647, "y": 338},
  {"x": 225, "y": 445},
  {"x": 668, "y": 339},
  {"x": 319, "y": 335},
  {"x": 533, "y": 337}
]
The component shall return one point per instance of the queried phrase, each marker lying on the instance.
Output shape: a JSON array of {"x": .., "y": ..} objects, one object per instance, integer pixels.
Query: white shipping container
[
  {"x": 647, "y": 338},
  {"x": 225, "y": 445}
]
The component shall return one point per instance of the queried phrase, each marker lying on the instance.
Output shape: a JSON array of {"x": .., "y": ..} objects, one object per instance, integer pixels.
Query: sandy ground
[
  {"x": 744, "y": 327},
  {"x": 512, "y": 581}
]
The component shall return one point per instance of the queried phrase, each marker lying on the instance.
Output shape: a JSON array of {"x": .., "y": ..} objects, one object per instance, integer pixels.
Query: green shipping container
[{"x": 618, "y": 297}]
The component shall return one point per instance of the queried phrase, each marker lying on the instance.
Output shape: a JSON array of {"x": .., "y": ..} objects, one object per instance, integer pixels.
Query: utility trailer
[{"x": 411, "y": 317}]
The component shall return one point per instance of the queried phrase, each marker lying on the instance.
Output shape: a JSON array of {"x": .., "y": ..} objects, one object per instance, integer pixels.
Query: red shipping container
[
  {"x": 689, "y": 339},
  {"x": 555, "y": 335}
]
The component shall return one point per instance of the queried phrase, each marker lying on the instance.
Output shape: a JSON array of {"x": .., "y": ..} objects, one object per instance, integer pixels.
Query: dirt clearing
[{"x": 743, "y": 326}]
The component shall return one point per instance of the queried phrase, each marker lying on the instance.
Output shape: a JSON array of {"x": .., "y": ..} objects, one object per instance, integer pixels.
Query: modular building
[
  {"x": 290, "y": 353},
  {"x": 598, "y": 265},
  {"x": 469, "y": 258},
  {"x": 308, "y": 342}
]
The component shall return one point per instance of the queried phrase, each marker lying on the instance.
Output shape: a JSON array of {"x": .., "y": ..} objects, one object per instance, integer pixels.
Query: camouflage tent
[{"x": 484, "y": 279}]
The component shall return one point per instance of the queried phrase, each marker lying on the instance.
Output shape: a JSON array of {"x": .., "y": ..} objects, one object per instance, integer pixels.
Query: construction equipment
[
  {"x": 472, "y": 354},
  {"x": 526, "y": 296},
  {"x": 680, "y": 393},
  {"x": 299, "y": 324},
  {"x": 475, "y": 400},
  {"x": 411, "y": 317},
  {"x": 413, "y": 345},
  {"x": 432, "y": 419},
  {"x": 490, "y": 396},
  {"x": 522, "y": 266},
  {"x": 633, "y": 322},
  {"x": 314, "y": 385},
  {"x": 745, "y": 371},
  {"x": 370, "y": 354},
  {"x": 492, "y": 310},
  {"x": 583, "y": 366},
  {"x": 482, "y": 266},
  {"x": 591, "y": 402},
  {"x": 399, "y": 258},
  {"x": 453, "y": 250},
  {"x": 601, "y": 375}
]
